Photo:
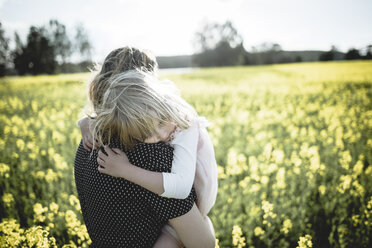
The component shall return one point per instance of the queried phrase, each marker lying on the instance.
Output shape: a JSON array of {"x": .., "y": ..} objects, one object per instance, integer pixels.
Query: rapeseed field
[{"x": 293, "y": 145}]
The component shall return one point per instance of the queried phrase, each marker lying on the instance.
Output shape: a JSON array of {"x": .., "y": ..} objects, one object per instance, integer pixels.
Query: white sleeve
[{"x": 178, "y": 183}]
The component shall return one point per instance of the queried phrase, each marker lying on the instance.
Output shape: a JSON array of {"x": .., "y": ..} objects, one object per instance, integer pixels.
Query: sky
[{"x": 167, "y": 27}]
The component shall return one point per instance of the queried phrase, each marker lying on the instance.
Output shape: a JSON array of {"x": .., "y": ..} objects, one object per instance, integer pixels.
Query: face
[{"x": 163, "y": 133}]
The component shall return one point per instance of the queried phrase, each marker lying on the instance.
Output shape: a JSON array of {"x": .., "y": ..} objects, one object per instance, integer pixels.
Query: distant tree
[
  {"x": 267, "y": 53},
  {"x": 82, "y": 43},
  {"x": 247, "y": 59},
  {"x": 4, "y": 52},
  {"x": 276, "y": 47},
  {"x": 48, "y": 49},
  {"x": 330, "y": 55},
  {"x": 219, "y": 45},
  {"x": 368, "y": 53},
  {"x": 19, "y": 59},
  {"x": 352, "y": 54},
  {"x": 37, "y": 55},
  {"x": 213, "y": 33},
  {"x": 59, "y": 40},
  {"x": 271, "y": 55},
  {"x": 298, "y": 58}
]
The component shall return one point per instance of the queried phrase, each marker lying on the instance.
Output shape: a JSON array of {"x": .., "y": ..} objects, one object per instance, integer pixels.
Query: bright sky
[{"x": 167, "y": 27}]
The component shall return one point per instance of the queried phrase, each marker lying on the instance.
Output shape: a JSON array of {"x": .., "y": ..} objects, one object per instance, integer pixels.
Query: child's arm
[
  {"x": 176, "y": 184},
  {"x": 117, "y": 164}
]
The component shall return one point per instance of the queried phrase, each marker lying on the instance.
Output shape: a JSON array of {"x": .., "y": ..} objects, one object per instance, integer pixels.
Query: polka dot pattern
[{"x": 119, "y": 213}]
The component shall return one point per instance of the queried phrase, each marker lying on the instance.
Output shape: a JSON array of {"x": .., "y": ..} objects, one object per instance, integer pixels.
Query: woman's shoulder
[{"x": 141, "y": 147}]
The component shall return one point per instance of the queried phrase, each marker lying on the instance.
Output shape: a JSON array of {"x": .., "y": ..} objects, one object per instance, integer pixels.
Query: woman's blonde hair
[
  {"x": 135, "y": 104},
  {"x": 117, "y": 61}
]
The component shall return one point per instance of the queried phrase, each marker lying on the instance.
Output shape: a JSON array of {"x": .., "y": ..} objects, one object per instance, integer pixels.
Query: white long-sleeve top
[
  {"x": 178, "y": 183},
  {"x": 194, "y": 164}
]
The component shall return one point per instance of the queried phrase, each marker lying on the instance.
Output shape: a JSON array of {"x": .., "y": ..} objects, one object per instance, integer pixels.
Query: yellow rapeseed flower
[
  {"x": 216, "y": 245},
  {"x": 305, "y": 242},
  {"x": 39, "y": 210},
  {"x": 287, "y": 226},
  {"x": 358, "y": 168},
  {"x": 54, "y": 207},
  {"x": 237, "y": 235},
  {"x": 258, "y": 231},
  {"x": 267, "y": 206},
  {"x": 345, "y": 183},
  {"x": 322, "y": 189},
  {"x": 8, "y": 199},
  {"x": 4, "y": 169},
  {"x": 74, "y": 201}
]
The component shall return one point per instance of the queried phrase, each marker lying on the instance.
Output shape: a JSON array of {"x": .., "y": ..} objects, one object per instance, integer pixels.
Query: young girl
[
  {"x": 142, "y": 108},
  {"x": 117, "y": 61}
]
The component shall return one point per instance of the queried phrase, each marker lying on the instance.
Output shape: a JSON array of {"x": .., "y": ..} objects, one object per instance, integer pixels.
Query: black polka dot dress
[{"x": 119, "y": 213}]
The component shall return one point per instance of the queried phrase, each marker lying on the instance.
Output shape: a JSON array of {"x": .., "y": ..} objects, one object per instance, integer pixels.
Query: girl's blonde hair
[
  {"x": 117, "y": 61},
  {"x": 135, "y": 104}
]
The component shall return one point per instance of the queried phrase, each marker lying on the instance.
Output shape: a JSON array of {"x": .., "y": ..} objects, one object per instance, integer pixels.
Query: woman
[{"x": 118, "y": 61}]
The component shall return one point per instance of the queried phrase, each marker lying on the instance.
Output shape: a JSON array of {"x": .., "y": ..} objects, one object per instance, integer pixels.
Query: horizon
[
  {"x": 315, "y": 50},
  {"x": 306, "y": 26}
]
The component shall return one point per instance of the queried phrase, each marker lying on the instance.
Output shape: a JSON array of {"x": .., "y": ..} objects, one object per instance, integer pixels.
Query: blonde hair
[
  {"x": 135, "y": 104},
  {"x": 117, "y": 61}
]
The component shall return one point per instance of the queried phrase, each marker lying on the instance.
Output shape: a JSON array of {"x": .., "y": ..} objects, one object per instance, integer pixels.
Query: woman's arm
[
  {"x": 193, "y": 229},
  {"x": 176, "y": 184},
  {"x": 88, "y": 143}
]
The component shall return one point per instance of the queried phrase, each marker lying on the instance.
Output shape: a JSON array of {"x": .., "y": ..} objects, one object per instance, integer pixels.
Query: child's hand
[
  {"x": 88, "y": 143},
  {"x": 114, "y": 164}
]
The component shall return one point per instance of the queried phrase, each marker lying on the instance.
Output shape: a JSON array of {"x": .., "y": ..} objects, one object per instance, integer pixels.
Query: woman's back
[{"x": 119, "y": 213}]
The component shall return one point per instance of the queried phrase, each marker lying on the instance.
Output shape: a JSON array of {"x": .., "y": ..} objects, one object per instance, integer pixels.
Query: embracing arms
[
  {"x": 116, "y": 164},
  {"x": 192, "y": 229},
  {"x": 176, "y": 184}
]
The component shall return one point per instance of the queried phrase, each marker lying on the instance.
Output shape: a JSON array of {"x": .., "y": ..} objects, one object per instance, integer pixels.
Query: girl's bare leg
[
  {"x": 167, "y": 241},
  {"x": 194, "y": 230},
  {"x": 210, "y": 224}
]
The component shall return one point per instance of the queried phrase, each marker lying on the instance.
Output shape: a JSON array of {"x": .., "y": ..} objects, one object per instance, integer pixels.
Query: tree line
[
  {"x": 222, "y": 45},
  {"x": 48, "y": 49},
  {"x": 351, "y": 54}
]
